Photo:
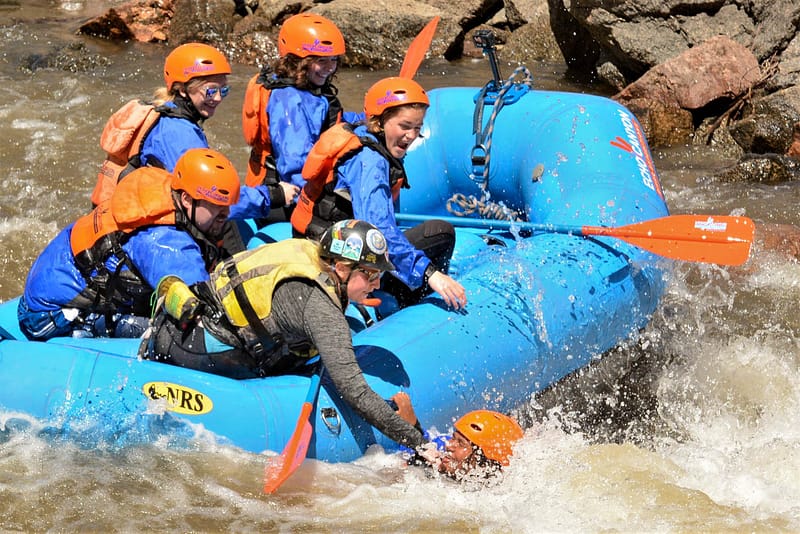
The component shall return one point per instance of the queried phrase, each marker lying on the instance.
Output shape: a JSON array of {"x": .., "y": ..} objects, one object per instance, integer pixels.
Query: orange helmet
[
  {"x": 391, "y": 92},
  {"x": 493, "y": 432},
  {"x": 207, "y": 175},
  {"x": 192, "y": 60},
  {"x": 309, "y": 34}
]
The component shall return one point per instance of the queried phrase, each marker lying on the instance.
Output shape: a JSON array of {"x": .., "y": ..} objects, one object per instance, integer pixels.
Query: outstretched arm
[{"x": 325, "y": 325}]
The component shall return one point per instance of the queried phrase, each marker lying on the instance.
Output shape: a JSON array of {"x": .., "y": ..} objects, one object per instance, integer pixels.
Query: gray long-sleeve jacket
[{"x": 301, "y": 310}]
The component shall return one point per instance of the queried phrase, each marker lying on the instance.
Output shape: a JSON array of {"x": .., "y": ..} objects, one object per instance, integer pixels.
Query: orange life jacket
[
  {"x": 122, "y": 140},
  {"x": 255, "y": 124},
  {"x": 318, "y": 205},
  {"x": 144, "y": 198}
]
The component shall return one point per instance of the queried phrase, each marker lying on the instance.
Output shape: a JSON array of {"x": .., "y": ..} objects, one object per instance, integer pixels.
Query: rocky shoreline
[{"x": 724, "y": 73}]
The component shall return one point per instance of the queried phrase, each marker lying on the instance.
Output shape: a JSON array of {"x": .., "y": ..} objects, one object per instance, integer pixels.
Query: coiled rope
[{"x": 462, "y": 205}]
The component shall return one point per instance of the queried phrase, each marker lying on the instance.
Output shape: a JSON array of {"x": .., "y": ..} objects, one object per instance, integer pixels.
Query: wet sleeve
[
  {"x": 353, "y": 117},
  {"x": 53, "y": 280},
  {"x": 295, "y": 120},
  {"x": 366, "y": 175},
  {"x": 325, "y": 325},
  {"x": 254, "y": 202},
  {"x": 161, "y": 250},
  {"x": 169, "y": 139}
]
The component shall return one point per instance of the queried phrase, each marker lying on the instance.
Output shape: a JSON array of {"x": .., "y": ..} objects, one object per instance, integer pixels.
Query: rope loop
[
  {"x": 483, "y": 139},
  {"x": 462, "y": 205}
]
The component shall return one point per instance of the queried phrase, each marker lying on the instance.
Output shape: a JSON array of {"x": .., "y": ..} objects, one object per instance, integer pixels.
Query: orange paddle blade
[
  {"x": 721, "y": 239},
  {"x": 279, "y": 468},
  {"x": 418, "y": 48}
]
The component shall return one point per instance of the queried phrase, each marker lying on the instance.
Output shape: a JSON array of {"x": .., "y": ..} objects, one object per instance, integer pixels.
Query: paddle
[
  {"x": 418, "y": 48},
  {"x": 279, "y": 468},
  {"x": 721, "y": 239}
]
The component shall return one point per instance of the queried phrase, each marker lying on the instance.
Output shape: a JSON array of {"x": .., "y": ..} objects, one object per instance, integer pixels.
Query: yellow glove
[{"x": 179, "y": 301}]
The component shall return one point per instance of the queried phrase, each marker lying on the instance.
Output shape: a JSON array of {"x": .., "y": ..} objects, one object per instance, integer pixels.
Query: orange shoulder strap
[
  {"x": 254, "y": 113},
  {"x": 124, "y": 130},
  {"x": 334, "y": 142},
  {"x": 89, "y": 228},
  {"x": 143, "y": 198}
]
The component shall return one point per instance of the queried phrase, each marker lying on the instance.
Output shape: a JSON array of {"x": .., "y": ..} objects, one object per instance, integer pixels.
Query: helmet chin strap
[
  {"x": 192, "y": 212},
  {"x": 192, "y": 220},
  {"x": 341, "y": 285}
]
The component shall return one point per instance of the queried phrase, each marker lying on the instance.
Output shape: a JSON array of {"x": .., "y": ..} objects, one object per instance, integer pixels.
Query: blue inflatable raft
[{"x": 542, "y": 304}]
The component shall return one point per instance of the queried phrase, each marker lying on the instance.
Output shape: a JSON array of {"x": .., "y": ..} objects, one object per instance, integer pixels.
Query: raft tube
[{"x": 541, "y": 305}]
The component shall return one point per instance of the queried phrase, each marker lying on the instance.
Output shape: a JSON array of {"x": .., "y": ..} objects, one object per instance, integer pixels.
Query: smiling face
[
  {"x": 206, "y": 93},
  {"x": 361, "y": 281},
  {"x": 401, "y": 127},
  {"x": 459, "y": 456},
  {"x": 322, "y": 68}
]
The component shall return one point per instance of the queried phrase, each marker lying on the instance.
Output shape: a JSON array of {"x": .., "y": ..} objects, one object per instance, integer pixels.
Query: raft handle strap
[{"x": 511, "y": 91}]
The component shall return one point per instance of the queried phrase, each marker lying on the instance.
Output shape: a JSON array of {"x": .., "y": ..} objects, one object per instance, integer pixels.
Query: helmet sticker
[
  {"x": 376, "y": 242},
  {"x": 199, "y": 67},
  {"x": 352, "y": 248},
  {"x": 319, "y": 47},
  {"x": 336, "y": 246},
  {"x": 213, "y": 193},
  {"x": 391, "y": 96}
]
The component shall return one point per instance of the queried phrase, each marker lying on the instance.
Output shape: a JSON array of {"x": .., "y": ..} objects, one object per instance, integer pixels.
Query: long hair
[
  {"x": 163, "y": 95},
  {"x": 295, "y": 68}
]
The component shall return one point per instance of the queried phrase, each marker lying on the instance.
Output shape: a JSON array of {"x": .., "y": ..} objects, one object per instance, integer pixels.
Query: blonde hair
[
  {"x": 161, "y": 96},
  {"x": 165, "y": 94}
]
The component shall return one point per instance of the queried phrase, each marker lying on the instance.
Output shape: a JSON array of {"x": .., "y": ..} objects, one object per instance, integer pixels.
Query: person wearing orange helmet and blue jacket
[
  {"x": 96, "y": 277},
  {"x": 159, "y": 132},
  {"x": 156, "y": 132},
  {"x": 356, "y": 170},
  {"x": 291, "y": 102}
]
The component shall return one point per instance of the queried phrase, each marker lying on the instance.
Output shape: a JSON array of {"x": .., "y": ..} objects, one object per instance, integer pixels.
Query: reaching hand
[
  {"x": 430, "y": 454},
  {"x": 179, "y": 300},
  {"x": 451, "y": 291},
  {"x": 404, "y": 408},
  {"x": 290, "y": 192}
]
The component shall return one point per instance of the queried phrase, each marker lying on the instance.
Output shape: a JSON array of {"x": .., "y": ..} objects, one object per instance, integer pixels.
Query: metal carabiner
[{"x": 331, "y": 419}]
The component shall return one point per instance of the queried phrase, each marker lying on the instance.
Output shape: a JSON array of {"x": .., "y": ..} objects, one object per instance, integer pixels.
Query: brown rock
[
  {"x": 718, "y": 68},
  {"x": 664, "y": 124},
  {"x": 780, "y": 238},
  {"x": 110, "y": 25},
  {"x": 794, "y": 148},
  {"x": 142, "y": 20}
]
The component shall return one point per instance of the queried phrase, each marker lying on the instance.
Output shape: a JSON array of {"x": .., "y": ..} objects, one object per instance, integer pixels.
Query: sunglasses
[
  {"x": 370, "y": 274},
  {"x": 211, "y": 92}
]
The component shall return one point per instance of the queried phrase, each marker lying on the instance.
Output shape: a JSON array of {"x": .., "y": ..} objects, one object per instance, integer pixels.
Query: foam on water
[{"x": 712, "y": 444}]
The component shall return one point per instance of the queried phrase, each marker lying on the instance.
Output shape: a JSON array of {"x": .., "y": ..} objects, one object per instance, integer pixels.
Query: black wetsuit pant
[{"x": 436, "y": 239}]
